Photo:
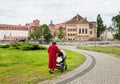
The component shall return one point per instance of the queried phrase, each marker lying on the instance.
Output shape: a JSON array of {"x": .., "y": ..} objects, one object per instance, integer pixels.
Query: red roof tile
[
  {"x": 12, "y": 27},
  {"x": 77, "y": 19}
]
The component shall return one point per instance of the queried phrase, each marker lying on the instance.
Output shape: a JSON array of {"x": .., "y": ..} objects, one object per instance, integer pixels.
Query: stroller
[{"x": 61, "y": 61}]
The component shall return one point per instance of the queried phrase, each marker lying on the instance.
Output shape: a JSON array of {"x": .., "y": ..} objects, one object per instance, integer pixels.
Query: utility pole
[
  {"x": 94, "y": 36},
  {"x": 42, "y": 37},
  {"x": 10, "y": 37}
]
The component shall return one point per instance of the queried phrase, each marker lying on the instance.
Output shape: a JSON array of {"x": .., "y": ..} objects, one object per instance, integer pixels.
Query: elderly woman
[{"x": 52, "y": 51}]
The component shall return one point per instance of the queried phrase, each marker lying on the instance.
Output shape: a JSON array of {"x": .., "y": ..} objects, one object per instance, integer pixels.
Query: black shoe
[{"x": 50, "y": 72}]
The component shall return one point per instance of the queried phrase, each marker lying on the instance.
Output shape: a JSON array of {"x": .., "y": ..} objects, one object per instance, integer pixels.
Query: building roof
[
  {"x": 33, "y": 24},
  {"x": 93, "y": 23},
  {"x": 51, "y": 23},
  {"x": 110, "y": 29},
  {"x": 12, "y": 27},
  {"x": 56, "y": 26},
  {"x": 77, "y": 19}
]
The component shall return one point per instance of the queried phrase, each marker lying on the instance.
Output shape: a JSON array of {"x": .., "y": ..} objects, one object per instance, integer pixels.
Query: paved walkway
[{"x": 98, "y": 68}]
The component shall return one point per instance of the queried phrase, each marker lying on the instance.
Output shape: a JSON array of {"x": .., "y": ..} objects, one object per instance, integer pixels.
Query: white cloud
[{"x": 24, "y": 11}]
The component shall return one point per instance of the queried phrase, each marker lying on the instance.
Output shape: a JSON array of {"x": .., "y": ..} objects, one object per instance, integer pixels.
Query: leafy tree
[
  {"x": 55, "y": 34},
  {"x": 37, "y": 33},
  {"x": 46, "y": 33},
  {"x": 60, "y": 35},
  {"x": 100, "y": 26},
  {"x": 116, "y": 22},
  {"x": 32, "y": 35},
  {"x": 42, "y": 32}
]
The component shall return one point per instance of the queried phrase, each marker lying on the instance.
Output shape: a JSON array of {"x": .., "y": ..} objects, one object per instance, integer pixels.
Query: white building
[
  {"x": 17, "y": 32},
  {"x": 108, "y": 34},
  {"x": 13, "y": 32}
]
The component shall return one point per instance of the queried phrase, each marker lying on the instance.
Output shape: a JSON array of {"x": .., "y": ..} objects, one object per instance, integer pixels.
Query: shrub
[
  {"x": 4, "y": 46},
  {"x": 28, "y": 46},
  {"x": 15, "y": 45},
  {"x": 43, "y": 47},
  {"x": 24, "y": 46}
]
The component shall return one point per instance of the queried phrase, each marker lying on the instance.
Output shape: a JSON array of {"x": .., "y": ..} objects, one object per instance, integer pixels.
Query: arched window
[
  {"x": 90, "y": 32},
  {"x": 79, "y": 31},
  {"x": 83, "y": 31},
  {"x": 86, "y": 31}
]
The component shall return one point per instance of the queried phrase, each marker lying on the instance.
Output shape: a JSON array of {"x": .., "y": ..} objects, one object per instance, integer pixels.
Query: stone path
[{"x": 98, "y": 68}]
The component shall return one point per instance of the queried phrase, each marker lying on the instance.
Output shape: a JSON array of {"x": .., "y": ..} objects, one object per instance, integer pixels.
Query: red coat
[{"x": 52, "y": 51}]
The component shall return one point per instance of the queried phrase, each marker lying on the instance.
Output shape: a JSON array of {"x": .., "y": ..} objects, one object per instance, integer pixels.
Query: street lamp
[
  {"x": 42, "y": 37},
  {"x": 10, "y": 37},
  {"x": 94, "y": 37}
]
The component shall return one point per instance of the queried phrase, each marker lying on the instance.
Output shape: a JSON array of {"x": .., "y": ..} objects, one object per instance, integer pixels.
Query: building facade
[
  {"x": 13, "y": 32},
  {"x": 17, "y": 32},
  {"x": 55, "y": 28},
  {"x": 78, "y": 28},
  {"x": 108, "y": 34}
]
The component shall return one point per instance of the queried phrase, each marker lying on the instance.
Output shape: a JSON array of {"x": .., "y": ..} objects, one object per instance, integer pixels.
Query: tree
[
  {"x": 32, "y": 35},
  {"x": 37, "y": 33},
  {"x": 100, "y": 26},
  {"x": 46, "y": 33},
  {"x": 60, "y": 35},
  {"x": 42, "y": 32},
  {"x": 55, "y": 34},
  {"x": 116, "y": 22}
]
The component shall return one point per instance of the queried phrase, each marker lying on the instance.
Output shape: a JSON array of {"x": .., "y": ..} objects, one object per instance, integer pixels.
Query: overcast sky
[{"x": 25, "y": 11}]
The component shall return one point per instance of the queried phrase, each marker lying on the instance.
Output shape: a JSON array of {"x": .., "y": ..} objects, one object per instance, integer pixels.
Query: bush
[
  {"x": 4, "y": 46},
  {"x": 28, "y": 46},
  {"x": 36, "y": 47},
  {"x": 15, "y": 45},
  {"x": 43, "y": 47},
  {"x": 24, "y": 46}
]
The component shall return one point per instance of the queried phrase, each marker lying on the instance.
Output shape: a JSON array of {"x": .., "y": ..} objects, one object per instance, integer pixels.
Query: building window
[
  {"x": 86, "y": 30},
  {"x": 74, "y": 29},
  {"x": 90, "y": 27},
  {"x": 79, "y": 31},
  {"x": 83, "y": 31},
  {"x": 90, "y": 32}
]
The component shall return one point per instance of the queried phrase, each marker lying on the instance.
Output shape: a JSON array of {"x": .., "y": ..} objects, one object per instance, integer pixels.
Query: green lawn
[
  {"x": 23, "y": 67},
  {"x": 110, "y": 50}
]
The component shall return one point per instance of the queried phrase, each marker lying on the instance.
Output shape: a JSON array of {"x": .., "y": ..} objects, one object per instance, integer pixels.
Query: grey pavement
[{"x": 99, "y": 68}]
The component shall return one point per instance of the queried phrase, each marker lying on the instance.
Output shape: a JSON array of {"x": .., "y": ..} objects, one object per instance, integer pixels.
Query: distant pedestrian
[{"x": 52, "y": 52}]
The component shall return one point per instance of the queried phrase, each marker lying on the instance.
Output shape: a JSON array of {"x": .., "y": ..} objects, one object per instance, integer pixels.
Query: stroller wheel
[
  {"x": 65, "y": 67},
  {"x": 62, "y": 68}
]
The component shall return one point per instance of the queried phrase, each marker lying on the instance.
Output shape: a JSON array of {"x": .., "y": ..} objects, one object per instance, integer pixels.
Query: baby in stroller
[{"x": 61, "y": 61}]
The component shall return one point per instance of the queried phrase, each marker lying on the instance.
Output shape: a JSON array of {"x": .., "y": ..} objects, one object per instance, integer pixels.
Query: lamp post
[
  {"x": 42, "y": 39},
  {"x": 42, "y": 36},
  {"x": 10, "y": 37},
  {"x": 94, "y": 37}
]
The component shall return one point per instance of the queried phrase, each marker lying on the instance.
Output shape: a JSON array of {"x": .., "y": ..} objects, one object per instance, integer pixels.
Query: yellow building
[{"x": 78, "y": 28}]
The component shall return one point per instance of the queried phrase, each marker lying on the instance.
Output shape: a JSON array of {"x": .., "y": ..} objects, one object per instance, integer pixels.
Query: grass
[
  {"x": 30, "y": 67},
  {"x": 110, "y": 50}
]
